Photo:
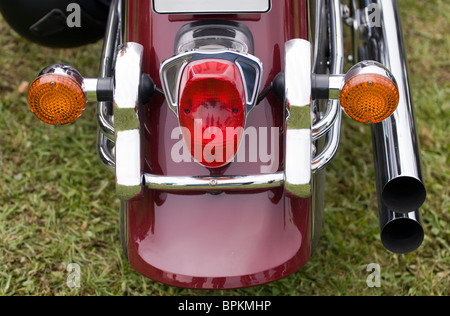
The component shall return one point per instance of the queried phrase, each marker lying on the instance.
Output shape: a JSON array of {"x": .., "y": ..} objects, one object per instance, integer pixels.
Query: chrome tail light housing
[{"x": 211, "y": 92}]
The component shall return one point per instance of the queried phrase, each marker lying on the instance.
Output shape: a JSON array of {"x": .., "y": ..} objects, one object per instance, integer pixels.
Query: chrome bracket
[
  {"x": 249, "y": 66},
  {"x": 126, "y": 121}
]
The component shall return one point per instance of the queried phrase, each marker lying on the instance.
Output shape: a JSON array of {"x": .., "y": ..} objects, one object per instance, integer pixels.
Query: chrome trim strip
[
  {"x": 298, "y": 156},
  {"x": 172, "y": 68},
  {"x": 64, "y": 70},
  {"x": 297, "y": 71},
  {"x": 260, "y": 181},
  {"x": 126, "y": 100},
  {"x": 127, "y": 76},
  {"x": 128, "y": 158}
]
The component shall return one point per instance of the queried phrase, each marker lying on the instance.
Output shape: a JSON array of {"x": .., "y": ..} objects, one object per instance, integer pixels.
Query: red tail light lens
[{"x": 212, "y": 109}]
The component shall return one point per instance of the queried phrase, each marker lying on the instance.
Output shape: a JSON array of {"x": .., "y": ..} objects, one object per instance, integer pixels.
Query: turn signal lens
[
  {"x": 56, "y": 99},
  {"x": 369, "y": 98}
]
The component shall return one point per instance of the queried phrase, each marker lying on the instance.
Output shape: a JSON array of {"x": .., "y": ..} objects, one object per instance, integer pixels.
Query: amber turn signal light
[
  {"x": 57, "y": 96},
  {"x": 369, "y": 93}
]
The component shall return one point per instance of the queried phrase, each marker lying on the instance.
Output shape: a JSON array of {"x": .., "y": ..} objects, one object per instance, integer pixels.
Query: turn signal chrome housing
[{"x": 369, "y": 93}]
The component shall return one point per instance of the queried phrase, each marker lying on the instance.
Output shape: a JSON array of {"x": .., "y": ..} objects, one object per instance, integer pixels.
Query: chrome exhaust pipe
[
  {"x": 400, "y": 188},
  {"x": 400, "y": 232},
  {"x": 396, "y": 150}
]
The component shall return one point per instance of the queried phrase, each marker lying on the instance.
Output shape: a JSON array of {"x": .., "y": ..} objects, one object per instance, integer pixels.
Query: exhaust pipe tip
[
  {"x": 403, "y": 194},
  {"x": 402, "y": 235}
]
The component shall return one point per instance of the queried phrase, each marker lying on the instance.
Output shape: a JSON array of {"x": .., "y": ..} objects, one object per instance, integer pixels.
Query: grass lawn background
[{"x": 58, "y": 204}]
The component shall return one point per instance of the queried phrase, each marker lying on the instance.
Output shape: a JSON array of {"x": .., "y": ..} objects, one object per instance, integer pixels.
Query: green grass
[{"x": 58, "y": 204}]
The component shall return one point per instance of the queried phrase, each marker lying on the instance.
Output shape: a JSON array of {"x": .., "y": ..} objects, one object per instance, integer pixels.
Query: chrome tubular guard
[
  {"x": 119, "y": 139},
  {"x": 329, "y": 125}
]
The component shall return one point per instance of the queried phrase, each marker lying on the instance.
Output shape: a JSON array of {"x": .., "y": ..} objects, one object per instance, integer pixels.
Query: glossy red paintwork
[{"x": 232, "y": 239}]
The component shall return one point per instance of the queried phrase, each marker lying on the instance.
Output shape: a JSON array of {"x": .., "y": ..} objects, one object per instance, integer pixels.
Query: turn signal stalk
[{"x": 368, "y": 93}]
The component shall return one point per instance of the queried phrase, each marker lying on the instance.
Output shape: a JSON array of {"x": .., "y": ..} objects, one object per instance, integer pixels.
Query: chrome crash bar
[
  {"x": 260, "y": 181},
  {"x": 327, "y": 126},
  {"x": 110, "y": 145}
]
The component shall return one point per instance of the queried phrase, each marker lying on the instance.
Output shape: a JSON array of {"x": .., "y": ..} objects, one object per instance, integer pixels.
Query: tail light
[
  {"x": 211, "y": 92},
  {"x": 212, "y": 108}
]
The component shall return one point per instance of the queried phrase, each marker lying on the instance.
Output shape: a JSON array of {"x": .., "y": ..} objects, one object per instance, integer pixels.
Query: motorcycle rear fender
[
  {"x": 218, "y": 230},
  {"x": 215, "y": 231}
]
